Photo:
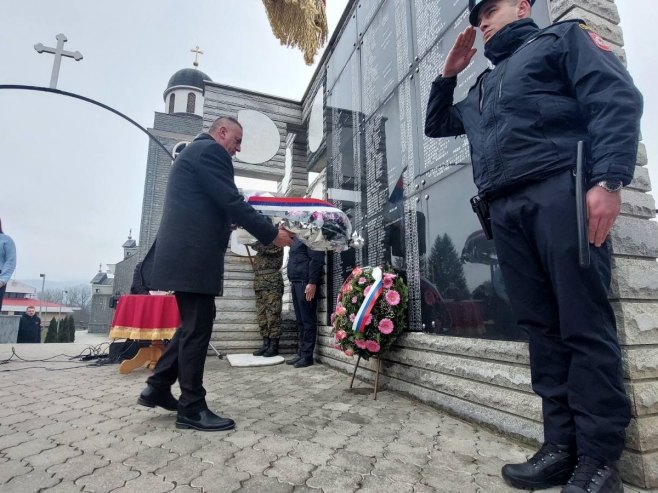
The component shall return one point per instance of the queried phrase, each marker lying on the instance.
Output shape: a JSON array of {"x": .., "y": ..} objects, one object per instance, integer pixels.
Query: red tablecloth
[{"x": 145, "y": 317}]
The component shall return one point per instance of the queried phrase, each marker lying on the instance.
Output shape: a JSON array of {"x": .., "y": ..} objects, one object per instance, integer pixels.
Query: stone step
[
  {"x": 250, "y": 346},
  {"x": 249, "y": 336},
  {"x": 225, "y": 305},
  {"x": 238, "y": 293},
  {"x": 239, "y": 283}
]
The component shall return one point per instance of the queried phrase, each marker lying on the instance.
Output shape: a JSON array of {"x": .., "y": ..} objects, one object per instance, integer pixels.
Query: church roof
[
  {"x": 187, "y": 77},
  {"x": 130, "y": 243}
]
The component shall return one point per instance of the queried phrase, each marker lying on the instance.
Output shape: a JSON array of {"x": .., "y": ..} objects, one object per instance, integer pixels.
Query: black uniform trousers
[
  {"x": 2, "y": 294},
  {"x": 185, "y": 356},
  {"x": 575, "y": 358},
  {"x": 306, "y": 313}
]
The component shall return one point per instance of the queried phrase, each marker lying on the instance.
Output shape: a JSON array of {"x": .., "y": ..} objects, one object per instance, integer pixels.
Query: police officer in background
[
  {"x": 551, "y": 88},
  {"x": 268, "y": 285}
]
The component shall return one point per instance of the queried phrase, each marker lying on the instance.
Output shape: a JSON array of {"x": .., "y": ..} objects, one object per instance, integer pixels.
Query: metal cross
[
  {"x": 197, "y": 52},
  {"x": 59, "y": 53}
]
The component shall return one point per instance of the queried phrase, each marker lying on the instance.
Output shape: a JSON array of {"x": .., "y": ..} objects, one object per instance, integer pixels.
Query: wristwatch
[{"x": 610, "y": 185}]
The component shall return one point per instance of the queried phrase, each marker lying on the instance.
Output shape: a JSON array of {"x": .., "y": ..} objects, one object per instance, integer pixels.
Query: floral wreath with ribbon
[{"x": 371, "y": 311}]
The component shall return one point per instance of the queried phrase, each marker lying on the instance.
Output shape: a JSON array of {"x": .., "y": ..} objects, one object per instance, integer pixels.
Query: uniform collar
[{"x": 509, "y": 39}]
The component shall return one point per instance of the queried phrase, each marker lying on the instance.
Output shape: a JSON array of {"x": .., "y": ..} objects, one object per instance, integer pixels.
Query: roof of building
[
  {"x": 190, "y": 77},
  {"x": 14, "y": 286},
  {"x": 21, "y": 304},
  {"x": 100, "y": 278},
  {"x": 130, "y": 243}
]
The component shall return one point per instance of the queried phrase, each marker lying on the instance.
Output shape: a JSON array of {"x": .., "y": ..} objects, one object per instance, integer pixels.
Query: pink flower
[
  {"x": 340, "y": 335},
  {"x": 352, "y": 317},
  {"x": 360, "y": 343},
  {"x": 349, "y": 352},
  {"x": 362, "y": 280},
  {"x": 341, "y": 310},
  {"x": 347, "y": 288},
  {"x": 373, "y": 346},
  {"x": 387, "y": 282},
  {"x": 354, "y": 299},
  {"x": 333, "y": 318},
  {"x": 367, "y": 290},
  {"x": 392, "y": 297},
  {"x": 356, "y": 271},
  {"x": 368, "y": 319},
  {"x": 386, "y": 326}
]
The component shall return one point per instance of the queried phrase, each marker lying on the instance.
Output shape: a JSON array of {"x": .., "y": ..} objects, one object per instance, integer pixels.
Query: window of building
[
  {"x": 172, "y": 99},
  {"x": 191, "y": 102}
]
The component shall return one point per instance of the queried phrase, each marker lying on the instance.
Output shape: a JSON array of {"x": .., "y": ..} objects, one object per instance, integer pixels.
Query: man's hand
[
  {"x": 461, "y": 53},
  {"x": 309, "y": 291},
  {"x": 284, "y": 238},
  {"x": 602, "y": 210}
]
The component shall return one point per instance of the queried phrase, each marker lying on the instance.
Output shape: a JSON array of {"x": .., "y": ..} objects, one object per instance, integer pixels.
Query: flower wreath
[{"x": 371, "y": 311}]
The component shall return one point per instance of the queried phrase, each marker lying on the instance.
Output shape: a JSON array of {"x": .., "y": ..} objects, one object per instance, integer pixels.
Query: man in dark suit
[{"x": 187, "y": 257}]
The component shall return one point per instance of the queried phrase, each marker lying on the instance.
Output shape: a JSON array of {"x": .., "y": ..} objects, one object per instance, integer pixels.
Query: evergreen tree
[
  {"x": 71, "y": 329},
  {"x": 51, "y": 335},
  {"x": 62, "y": 335},
  {"x": 446, "y": 269}
]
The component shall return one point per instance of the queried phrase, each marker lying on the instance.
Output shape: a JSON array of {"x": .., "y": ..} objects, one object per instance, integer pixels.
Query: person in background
[
  {"x": 268, "y": 285},
  {"x": 305, "y": 274},
  {"x": 7, "y": 261},
  {"x": 29, "y": 327},
  {"x": 549, "y": 89}
]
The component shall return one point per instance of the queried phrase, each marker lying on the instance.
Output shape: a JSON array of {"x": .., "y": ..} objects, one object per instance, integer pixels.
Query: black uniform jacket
[
  {"x": 304, "y": 264},
  {"x": 200, "y": 204},
  {"x": 549, "y": 89}
]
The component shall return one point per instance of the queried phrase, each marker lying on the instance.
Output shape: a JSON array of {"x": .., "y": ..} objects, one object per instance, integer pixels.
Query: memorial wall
[{"x": 407, "y": 194}]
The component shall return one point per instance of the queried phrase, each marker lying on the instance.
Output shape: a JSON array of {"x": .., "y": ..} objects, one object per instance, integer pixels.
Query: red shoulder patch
[{"x": 599, "y": 41}]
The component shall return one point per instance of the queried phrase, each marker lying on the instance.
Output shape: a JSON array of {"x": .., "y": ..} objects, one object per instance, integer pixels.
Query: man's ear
[{"x": 523, "y": 10}]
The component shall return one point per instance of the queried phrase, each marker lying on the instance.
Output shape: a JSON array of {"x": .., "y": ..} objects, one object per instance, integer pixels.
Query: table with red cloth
[{"x": 152, "y": 318}]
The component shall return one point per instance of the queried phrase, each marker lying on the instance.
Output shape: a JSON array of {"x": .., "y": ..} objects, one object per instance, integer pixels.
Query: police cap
[{"x": 474, "y": 7}]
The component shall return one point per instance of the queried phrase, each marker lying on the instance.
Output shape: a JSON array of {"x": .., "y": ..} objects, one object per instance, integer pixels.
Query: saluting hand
[
  {"x": 461, "y": 53},
  {"x": 602, "y": 209}
]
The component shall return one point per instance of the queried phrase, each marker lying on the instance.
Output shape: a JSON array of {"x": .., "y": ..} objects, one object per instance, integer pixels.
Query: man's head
[
  {"x": 31, "y": 311},
  {"x": 492, "y": 15},
  {"x": 227, "y": 131}
]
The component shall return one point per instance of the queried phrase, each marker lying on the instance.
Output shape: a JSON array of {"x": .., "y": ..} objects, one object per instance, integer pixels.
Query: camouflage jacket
[{"x": 267, "y": 268}]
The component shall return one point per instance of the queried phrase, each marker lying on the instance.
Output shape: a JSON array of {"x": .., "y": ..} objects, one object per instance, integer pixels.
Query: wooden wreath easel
[{"x": 379, "y": 364}]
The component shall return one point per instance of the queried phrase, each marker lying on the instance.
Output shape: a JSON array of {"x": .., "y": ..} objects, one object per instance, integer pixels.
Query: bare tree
[
  {"x": 79, "y": 296},
  {"x": 54, "y": 295}
]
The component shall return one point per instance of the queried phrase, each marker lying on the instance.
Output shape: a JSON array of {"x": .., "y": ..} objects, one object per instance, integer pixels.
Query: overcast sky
[{"x": 73, "y": 175}]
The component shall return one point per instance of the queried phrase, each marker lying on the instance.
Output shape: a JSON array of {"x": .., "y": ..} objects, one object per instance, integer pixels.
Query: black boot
[
  {"x": 273, "y": 350},
  {"x": 551, "y": 466},
  {"x": 152, "y": 397},
  {"x": 593, "y": 476},
  {"x": 263, "y": 348},
  {"x": 293, "y": 360},
  {"x": 203, "y": 420}
]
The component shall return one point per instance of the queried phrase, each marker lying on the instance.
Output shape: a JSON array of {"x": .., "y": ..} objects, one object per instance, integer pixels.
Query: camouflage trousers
[{"x": 268, "y": 313}]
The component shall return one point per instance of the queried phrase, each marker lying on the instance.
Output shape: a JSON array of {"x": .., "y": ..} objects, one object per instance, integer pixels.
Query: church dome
[{"x": 190, "y": 77}]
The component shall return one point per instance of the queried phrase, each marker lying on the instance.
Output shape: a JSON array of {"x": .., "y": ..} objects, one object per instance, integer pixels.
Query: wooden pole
[
  {"x": 379, "y": 364},
  {"x": 354, "y": 373}
]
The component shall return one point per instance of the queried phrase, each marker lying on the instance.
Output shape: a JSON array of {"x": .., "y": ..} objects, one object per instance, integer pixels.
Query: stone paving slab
[{"x": 70, "y": 426}]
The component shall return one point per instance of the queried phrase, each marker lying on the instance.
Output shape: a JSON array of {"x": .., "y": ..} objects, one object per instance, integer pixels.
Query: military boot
[
  {"x": 273, "y": 350},
  {"x": 593, "y": 476},
  {"x": 263, "y": 348},
  {"x": 551, "y": 466}
]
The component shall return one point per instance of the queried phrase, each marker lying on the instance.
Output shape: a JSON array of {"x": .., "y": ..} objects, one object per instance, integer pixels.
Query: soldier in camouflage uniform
[{"x": 268, "y": 285}]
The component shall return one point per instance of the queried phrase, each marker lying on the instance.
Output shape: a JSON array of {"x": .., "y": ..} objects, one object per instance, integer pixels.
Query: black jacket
[
  {"x": 200, "y": 204},
  {"x": 29, "y": 329},
  {"x": 549, "y": 89},
  {"x": 304, "y": 264}
]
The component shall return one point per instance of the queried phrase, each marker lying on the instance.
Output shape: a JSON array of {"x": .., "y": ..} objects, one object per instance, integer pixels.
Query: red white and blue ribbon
[
  {"x": 369, "y": 302},
  {"x": 289, "y": 204}
]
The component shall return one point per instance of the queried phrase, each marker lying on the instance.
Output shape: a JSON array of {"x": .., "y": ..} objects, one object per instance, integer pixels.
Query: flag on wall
[{"x": 301, "y": 23}]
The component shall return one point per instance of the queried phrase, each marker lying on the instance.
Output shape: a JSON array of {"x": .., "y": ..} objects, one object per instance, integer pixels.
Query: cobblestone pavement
[{"x": 68, "y": 427}]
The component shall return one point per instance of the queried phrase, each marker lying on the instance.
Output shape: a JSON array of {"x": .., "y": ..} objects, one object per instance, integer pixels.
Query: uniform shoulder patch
[{"x": 596, "y": 38}]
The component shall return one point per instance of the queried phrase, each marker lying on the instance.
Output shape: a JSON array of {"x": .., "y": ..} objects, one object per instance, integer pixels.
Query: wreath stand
[{"x": 356, "y": 366}]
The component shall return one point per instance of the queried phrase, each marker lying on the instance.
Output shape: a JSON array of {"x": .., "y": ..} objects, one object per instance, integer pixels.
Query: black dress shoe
[
  {"x": 293, "y": 360},
  {"x": 592, "y": 476},
  {"x": 151, "y": 397},
  {"x": 551, "y": 466},
  {"x": 304, "y": 362},
  {"x": 204, "y": 420}
]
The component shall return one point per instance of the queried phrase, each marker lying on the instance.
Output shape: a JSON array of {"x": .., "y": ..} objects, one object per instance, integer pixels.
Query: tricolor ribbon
[{"x": 369, "y": 302}]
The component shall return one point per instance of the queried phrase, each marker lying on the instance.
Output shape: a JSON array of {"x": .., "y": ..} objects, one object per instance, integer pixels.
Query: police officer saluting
[{"x": 551, "y": 88}]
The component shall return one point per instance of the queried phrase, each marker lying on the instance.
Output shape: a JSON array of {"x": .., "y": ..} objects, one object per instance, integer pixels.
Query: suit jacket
[{"x": 201, "y": 202}]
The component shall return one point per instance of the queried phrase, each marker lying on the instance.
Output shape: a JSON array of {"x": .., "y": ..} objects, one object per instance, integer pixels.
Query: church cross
[
  {"x": 196, "y": 52},
  {"x": 59, "y": 52}
]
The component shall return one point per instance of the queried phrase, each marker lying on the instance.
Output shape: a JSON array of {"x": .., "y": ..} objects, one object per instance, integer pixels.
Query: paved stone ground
[{"x": 70, "y": 427}]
